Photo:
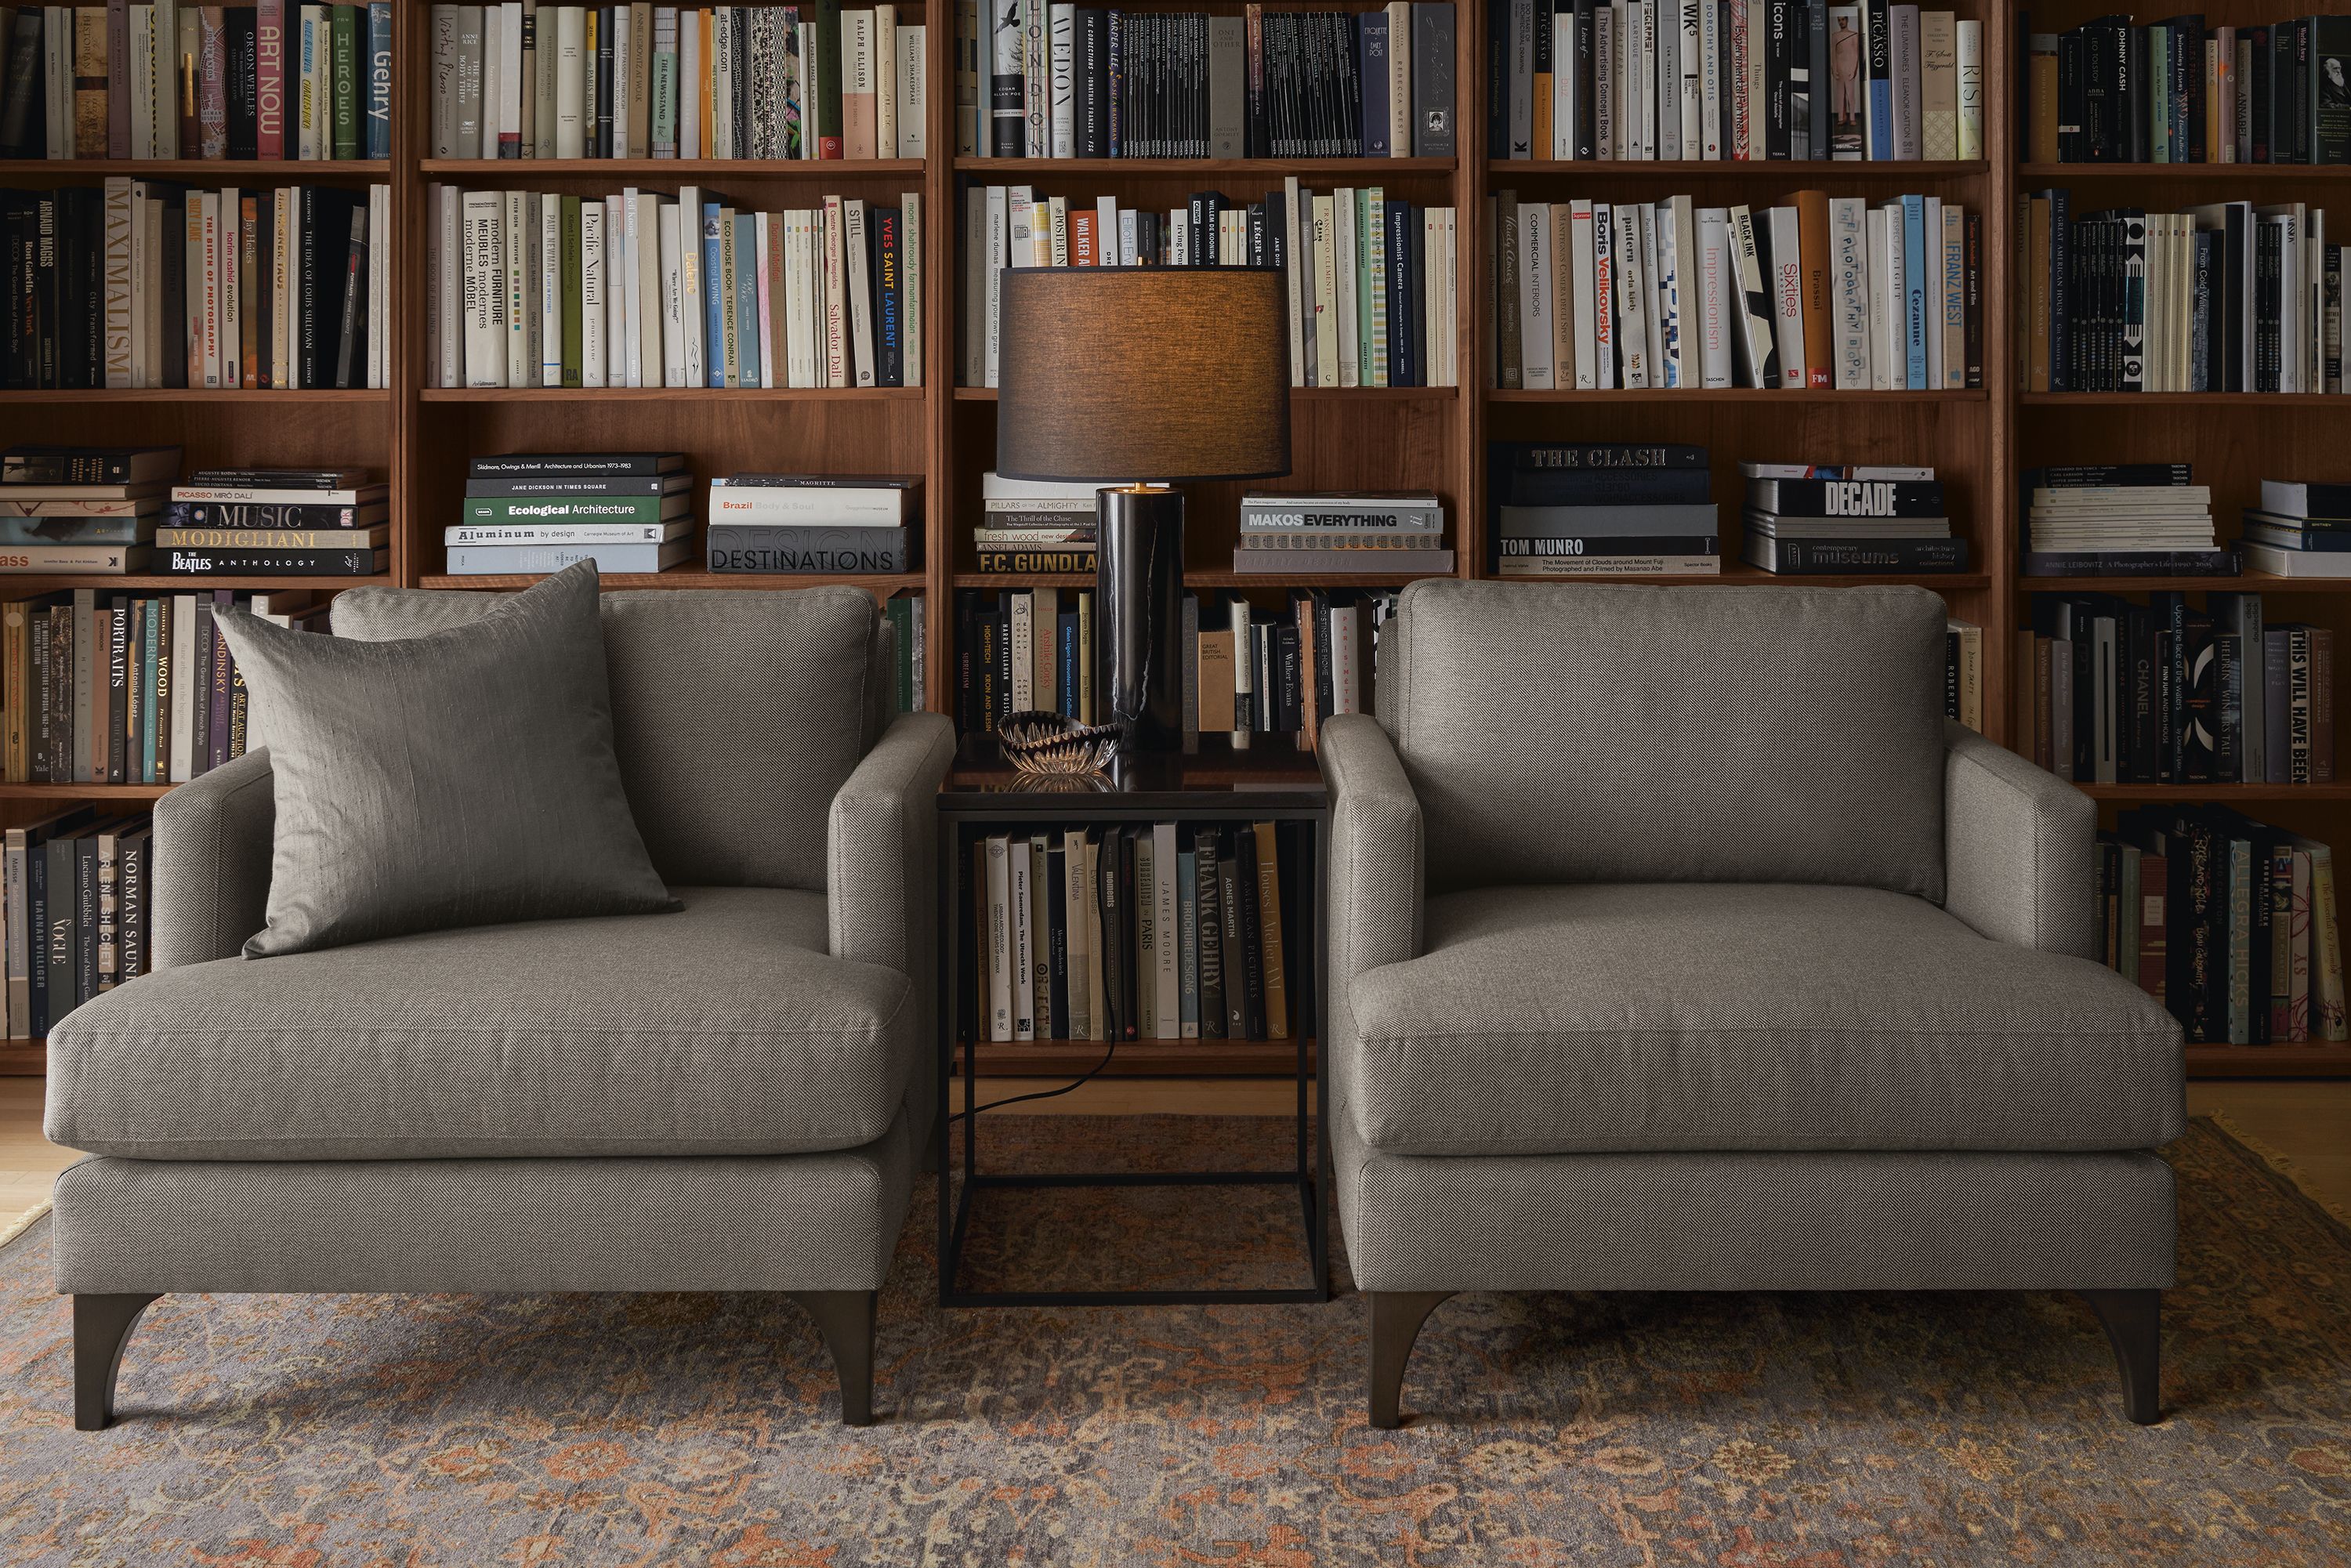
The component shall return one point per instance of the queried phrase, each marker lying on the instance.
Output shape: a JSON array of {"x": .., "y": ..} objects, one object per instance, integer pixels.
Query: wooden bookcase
[{"x": 1423, "y": 438}]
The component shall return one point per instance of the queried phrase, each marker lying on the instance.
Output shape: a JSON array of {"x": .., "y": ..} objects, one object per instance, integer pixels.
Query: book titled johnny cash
[{"x": 789, "y": 549}]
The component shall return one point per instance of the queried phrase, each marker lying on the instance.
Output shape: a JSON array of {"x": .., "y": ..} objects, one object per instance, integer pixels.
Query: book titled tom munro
[{"x": 751, "y": 548}]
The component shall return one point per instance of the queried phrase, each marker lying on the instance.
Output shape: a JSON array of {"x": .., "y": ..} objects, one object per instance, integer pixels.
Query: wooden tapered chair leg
[
  {"x": 102, "y": 1327},
  {"x": 2133, "y": 1324},
  {"x": 1397, "y": 1317},
  {"x": 844, "y": 1320}
]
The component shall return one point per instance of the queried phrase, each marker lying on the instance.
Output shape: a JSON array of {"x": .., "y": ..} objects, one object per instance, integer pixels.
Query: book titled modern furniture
[
  {"x": 1678, "y": 942},
  {"x": 1214, "y": 785},
  {"x": 730, "y": 1096}
]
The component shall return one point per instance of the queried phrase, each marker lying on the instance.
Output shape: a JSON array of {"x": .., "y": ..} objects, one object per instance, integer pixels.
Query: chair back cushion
[
  {"x": 1567, "y": 732},
  {"x": 736, "y": 716}
]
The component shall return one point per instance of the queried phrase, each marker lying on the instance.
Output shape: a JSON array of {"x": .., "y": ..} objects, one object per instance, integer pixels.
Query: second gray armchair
[{"x": 1679, "y": 943}]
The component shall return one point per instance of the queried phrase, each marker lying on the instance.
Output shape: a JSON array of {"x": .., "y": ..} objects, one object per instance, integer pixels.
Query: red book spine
[{"x": 269, "y": 73}]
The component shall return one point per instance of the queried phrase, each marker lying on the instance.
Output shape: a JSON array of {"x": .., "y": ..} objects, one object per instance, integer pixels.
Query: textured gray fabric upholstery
[
  {"x": 725, "y": 1028},
  {"x": 1618, "y": 734},
  {"x": 1738, "y": 1016},
  {"x": 885, "y": 847},
  {"x": 1374, "y": 883},
  {"x": 2017, "y": 847},
  {"x": 736, "y": 716},
  {"x": 461, "y": 779},
  {"x": 1756, "y": 1221},
  {"x": 800, "y": 1222},
  {"x": 214, "y": 837}
]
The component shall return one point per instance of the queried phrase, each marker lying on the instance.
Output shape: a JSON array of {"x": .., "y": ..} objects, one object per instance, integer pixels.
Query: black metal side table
[{"x": 1213, "y": 785}]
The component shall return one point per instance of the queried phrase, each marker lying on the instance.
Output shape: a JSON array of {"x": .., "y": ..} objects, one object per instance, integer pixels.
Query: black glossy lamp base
[{"x": 1139, "y": 616}]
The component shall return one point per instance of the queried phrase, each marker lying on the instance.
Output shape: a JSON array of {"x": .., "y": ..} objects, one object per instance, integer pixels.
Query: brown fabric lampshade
[{"x": 1131, "y": 373}]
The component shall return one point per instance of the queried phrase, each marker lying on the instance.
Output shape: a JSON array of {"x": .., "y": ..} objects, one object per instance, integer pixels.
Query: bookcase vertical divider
[{"x": 941, "y": 298}]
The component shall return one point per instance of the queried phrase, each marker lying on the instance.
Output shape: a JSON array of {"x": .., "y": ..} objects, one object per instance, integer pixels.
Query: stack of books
[
  {"x": 1601, "y": 510},
  {"x": 81, "y": 509},
  {"x": 2131, "y": 520},
  {"x": 1032, "y": 526},
  {"x": 1159, "y": 931},
  {"x": 2167, "y": 691},
  {"x": 2224, "y": 298},
  {"x": 525, "y": 80},
  {"x": 2299, "y": 530},
  {"x": 276, "y": 522},
  {"x": 1087, "y": 81},
  {"x": 641, "y": 289},
  {"x": 2230, "y": 922},
  {"x": 1824, "y": 293},
  {"x": 803, "y": 523},
  {"x": 1338, "y": 531},
  {"x": 1963, "y": 672},
  {"x": 112, "y": 688},
  {"x": 1804, "y": 518},
  {"x": 1761, "y": 79},
  {"x": 143, "y": 283},
  {"x": 77, "y": 917},
  {"x": 1371, "y": 281},
  {"x": 2177, "y": 91},
  {"x": 177, "y": 79},
  {"x": 533, "y": 512}
]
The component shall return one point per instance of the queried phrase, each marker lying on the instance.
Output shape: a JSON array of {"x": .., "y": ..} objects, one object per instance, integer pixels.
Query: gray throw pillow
[{"x": 466, "y": 778}]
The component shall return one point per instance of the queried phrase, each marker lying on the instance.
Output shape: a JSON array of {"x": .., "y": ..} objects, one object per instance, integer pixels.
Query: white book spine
[
  {"x": 1534, "y": 295},
  {"x": 1062, "y": 40},
  {"x": 629, "y": 354},
  {"x": 913, "y": 91},
  {"x": 911, "y": 285},
  {"x": 379, "y": 255},
  {"x": 484, "y": 277},
  {"x": 550, "y": 290},
  {"x": 672, "y": 288},
  {"x": 691, "y": 283},
  {"x": 1603, "y": 81},
  {"x": 1400, "y": 125},
  {"x": 1563, "y": 85},
  {"x": 1888, "y": 363},
  {"x": 1022, "y": 901},
  {"x": 1665, "y": 78},
  {"x": 1787, "y": 286},
  {"x": 1971, "y": 90},
  {"x": 999, "y": 939},
  {"x": 511, "y": 86},
  {"x": 859, "y": 289},
  {"x": 513, "y": 256},
  {"x": 1632, "y": 310},
  {"x": 1849, "y": 291},
  {"x": 1342, "y": 212},
  {"x": 1581, "y": 270},
  {"x": 591, "y": 293},
  {"x": 1716, "y": 278},
  {"x": 1293, "y": 279},
  {"x": 691, "y": 72},
  {"x": 998, "y": 247},
  {"x": 1694, "y": 126},
  {"x": 570, "y": 81},
  {"x": 493, "y": 81},
  {"x": 614, "y": 322},
  {"x": 1653, "y": 300}
]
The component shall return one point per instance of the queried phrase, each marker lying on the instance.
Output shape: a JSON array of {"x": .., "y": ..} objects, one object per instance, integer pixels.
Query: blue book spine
[
  {"x": 747, "y": 298},
  {"x": 1916, "y": 264},
  {"x": 1117, "y": 92},
  {"x": 1372, "y": 28},
  {"x": 714, "y": 303},
  {"x": 378, "y": 103},
  {"x": 1402, "y": 312}
]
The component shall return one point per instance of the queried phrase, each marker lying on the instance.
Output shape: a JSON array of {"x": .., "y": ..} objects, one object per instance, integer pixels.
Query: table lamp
[{"x": 1140, "y": 377}]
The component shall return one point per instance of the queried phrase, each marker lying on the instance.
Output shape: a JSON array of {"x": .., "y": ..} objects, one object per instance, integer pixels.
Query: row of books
[
  {"x": 522, "y": 79},
  {"x": 1246, "y": 672},
  {"x": 1373, "y": 281},
  {"x": 2126, "y": 519},
  {"x": 642, "y": 289},
  {"x": 1390, "y": 532},
  {"x": 119, "y": 688},
  {"x": 269, "y": 80},
  {"x": 146, "y": 283},
  {"x": 1063, "y": 80},
  {"x": 1712, "y": 79},
  {"x": 2113, "y": 91},
  {"x": 1157, "y": 931},
  {"x": 77, "y": 900},
  {"x": 2300, "y": 530},
  {"x": 2230, "y": 922},
  {"x": 2226, "y": 297},
  {"x": 1963, "y": 672},
  {"x": 1601, "y": 510},
  {"x": 2171, "y": 693},
  {"x": 1827, "y": 292}
]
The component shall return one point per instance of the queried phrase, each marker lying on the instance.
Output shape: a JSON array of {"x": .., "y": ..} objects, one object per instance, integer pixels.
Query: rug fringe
[
  {"x": 23, "y": 1222},
  {"x": 2284, "y": 1164}
]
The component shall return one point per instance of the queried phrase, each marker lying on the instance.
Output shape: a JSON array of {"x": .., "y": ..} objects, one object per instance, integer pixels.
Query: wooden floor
[{"x": 2310, "y": 1123}]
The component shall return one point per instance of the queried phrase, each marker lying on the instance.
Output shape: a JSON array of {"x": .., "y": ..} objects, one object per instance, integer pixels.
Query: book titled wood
[{"x": 735, "y": 547}]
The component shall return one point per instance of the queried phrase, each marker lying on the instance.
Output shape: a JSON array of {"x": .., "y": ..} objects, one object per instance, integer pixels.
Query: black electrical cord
[{"x": 1090, "y": 1074}]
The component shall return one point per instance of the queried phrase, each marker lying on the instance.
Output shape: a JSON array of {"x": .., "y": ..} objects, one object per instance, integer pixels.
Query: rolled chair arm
[
  {"x": 1375, "y": 849},
  {"x": 214, "y": 837}
]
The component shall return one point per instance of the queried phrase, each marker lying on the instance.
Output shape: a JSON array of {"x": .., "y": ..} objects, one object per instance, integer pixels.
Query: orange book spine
[{"x": 1812, "y": 241}]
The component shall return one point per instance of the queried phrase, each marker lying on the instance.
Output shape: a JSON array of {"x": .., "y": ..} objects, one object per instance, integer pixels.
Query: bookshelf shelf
[
  {"x": 2223, "y": 794},
  {"x": 686, "y": 170},
  {"x": 237, "y": 172},
  {"x": 84, "y": 791},
  {"x": 1298, "y": 395},
  {"x": 2044, "y": 174},
  {"x": 1139, "y": 1058},
  {"x": 670, "y": 394},
  {"x": 2329, "y": 1060},
  {"x": 2317, "y": 403},
  {"x": 1205, "y": 579},
  {"x": 379, "y": 396},
  {"x": 1760, "y": 396},
  {"x": 881, "y": 585},
  {"x": 1773, "y": 172},
  {"x": 1371, "y": 169},
  {"x": 2250, "y": 582},
  {"x": 27, "y": 586},
  {"x": 23, "y": 1059}
]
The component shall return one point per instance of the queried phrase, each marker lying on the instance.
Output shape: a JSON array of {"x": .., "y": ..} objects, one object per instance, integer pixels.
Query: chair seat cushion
[
  {"x": 1571, "y": 1019},
  {"x": 725, "y": 1029}
]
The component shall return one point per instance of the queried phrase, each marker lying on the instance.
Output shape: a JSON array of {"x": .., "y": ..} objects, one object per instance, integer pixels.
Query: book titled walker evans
[{"x": 791, "y": 548}]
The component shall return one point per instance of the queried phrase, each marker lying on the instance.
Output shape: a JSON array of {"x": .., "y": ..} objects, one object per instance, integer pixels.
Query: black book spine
[
  {"x": 243, "y": 83},
  {"x": 604, "y": 84},
  {"x": 1252, "y": 938},
  {"x": 1109, "y": 891},
  {"x": 1778, "y": 62},
  {"x": 1057, "y": 930},
  {"x": 130, "y": 917},
  {"x": 308, "y": 260},
  {"x": 85, "y": 944},
  {"x": 889, "y": 298},
  {"x": 1129, "y": 930},
  {"x": 1210, "y": 938},
  {"x": 200, "y": 742},
  {"x": 350, "y": 340},
  {"x": 36, "y": 927},
  {"x": 1232, "y": 950},
  {"x": 117, "y": 690}
]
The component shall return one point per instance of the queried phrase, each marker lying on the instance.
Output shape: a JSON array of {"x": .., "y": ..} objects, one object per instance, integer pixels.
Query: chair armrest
[
  {"x": 1374, "y": 883},
  {"x": 2017, "y": 847},
  {"x": 214, "y": 839},
  {"x": 883, "y": 852}
]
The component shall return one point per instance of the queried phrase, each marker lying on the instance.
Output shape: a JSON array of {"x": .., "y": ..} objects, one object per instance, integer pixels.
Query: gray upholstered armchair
[
  {"x": 502, "y": 1108},
  {"x": 1678, "y": 942}
]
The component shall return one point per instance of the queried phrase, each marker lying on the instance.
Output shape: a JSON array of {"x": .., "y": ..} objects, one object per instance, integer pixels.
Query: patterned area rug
[{"x": 1768, "y": 1431}]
